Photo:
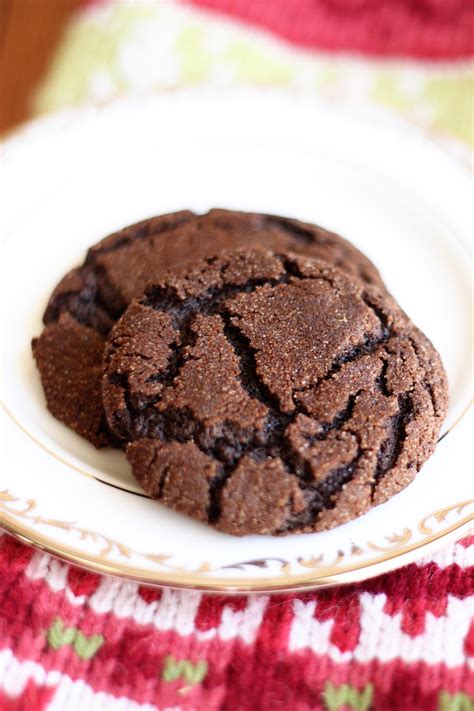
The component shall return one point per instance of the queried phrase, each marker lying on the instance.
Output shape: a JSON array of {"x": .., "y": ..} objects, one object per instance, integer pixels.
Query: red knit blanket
[
  {"x": 75, "y": 640},
  {"x": 426, "y": 29}
]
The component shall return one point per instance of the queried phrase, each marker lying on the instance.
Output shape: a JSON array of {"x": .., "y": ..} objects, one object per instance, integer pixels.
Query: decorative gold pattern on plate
[
  {"x": 287, "y": 577},
  {"x": 394, "y": 541},
  {"x": 84, "y": 533},
  {"x": 316, "y": 562},
  {"x": 440, "y": 516}
]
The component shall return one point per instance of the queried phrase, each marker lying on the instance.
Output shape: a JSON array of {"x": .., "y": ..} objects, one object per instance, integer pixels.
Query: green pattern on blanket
[{"x": 112, "y": 49}]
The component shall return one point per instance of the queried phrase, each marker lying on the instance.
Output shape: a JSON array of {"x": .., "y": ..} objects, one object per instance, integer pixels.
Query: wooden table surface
[{"x": 29, "y": 33}]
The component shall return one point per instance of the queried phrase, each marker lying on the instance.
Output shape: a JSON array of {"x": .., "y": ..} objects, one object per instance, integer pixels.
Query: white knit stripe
[
  {"x": 69, "y": 694},
  {"x": 175, "y": 610},
  {"x": 463, "y": 556},
  {"x": 74, "y": 599},
  {"x": 124, "y": 600},
  {"x": 244, "y": 623},
  {"x": 102, "y": 600},
  {"x": 79, "y": 696},
  {"x": 38, "y": 566},
  {"x": 144, "y": 612},
  {"x": 306, "y": 631},
  {"x": 381, "y": 636},
  {"x": 239, "y": 623},
  {"x": 54, "y": 573},
  {"x": 56, "y": 577},
  {"x": 122, "y": 597},
  {"x": 442, "y": 641},
  {"x": 14, "y": 675}
]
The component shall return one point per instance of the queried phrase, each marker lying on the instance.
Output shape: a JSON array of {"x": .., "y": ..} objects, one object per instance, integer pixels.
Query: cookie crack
[
  {"x": 351, "y": 355},
  {"x": 426, "y": 382},
  {"x": 320, "y": 496},
  {"x": 161, "y": 483},
  {"x": 209, "y": 302},
  {"x": 141, "y": 231},
  {"x": 301, "y": 234},
  {"x": 122, "y": 417},
  {"x": 392, "y": 446},
  {"x": 368, "y": 347},
  {"x": 251, "y": 382},
  {"x": 179, "y": 353},
  {"x": 377, "y": 311},
  {"x": 334, "y": 482},
  {"x": 271, "y": 442},
  {"x": 86, "y": 306},
  {"x": 381, "y": 381},
  {"x": 338, "y": 421}
]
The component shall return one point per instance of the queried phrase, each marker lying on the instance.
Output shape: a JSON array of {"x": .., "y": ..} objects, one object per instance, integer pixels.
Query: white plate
[{"x": 71, "y": 179}]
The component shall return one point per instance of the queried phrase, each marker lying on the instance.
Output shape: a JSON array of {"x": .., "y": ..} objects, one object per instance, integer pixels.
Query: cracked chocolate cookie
[
  {"x": 116, "y": 271},
  {"x": 264, "y": 392}
]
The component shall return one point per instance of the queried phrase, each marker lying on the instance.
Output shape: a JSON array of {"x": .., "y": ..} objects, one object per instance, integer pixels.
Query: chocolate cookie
[
  {"x": 116, "y": 271},
  {"x": 69, "y": 358},
  {"x": 269, "y": 393}
]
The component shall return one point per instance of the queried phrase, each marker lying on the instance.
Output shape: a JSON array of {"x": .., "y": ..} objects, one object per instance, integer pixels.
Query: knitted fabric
[
  {"x": 125, "y": 47},
  {"x": 75, "y": 640},
  {"x": 427, "y": 29}
]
